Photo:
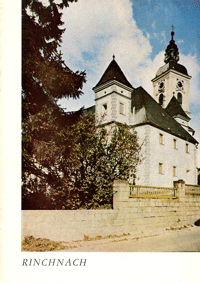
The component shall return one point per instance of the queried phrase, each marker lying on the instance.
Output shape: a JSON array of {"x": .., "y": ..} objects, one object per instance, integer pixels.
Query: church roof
[
  {"x": 172, "y": 66},
  {"x": 113, "y": 72},
  {"x": 90, "y": 110},
  {"x": 156, "y": 116},
  {"x": 174, "y": 108}
]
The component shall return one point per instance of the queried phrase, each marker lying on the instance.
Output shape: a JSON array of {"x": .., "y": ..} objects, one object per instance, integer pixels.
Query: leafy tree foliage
[
  {"x": 82, "y": 161},
  {"x": 94, "y": 158}
]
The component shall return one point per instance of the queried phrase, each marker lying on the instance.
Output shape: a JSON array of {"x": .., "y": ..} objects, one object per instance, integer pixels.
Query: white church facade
[{"x": 161, "y": 121}]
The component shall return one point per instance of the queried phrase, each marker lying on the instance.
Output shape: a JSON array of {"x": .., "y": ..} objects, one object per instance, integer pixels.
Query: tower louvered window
[
  {"x": 180, "y": 98},
  {"x": 161, "y": 99},
  {"x": 121, "y": 108}
]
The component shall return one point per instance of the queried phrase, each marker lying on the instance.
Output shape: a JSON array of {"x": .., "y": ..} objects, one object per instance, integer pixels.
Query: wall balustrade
[
  {"x": 192, "y": 190},
  {"x": 152, "y": 192}
]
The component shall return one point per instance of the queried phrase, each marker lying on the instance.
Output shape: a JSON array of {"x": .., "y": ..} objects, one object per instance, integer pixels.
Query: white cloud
[
  {"x": 148, "y": 35},
  {"x": 193, "y": 68},
  {"x": 101, "y": 30},
  {"x": 195, "y": 118},
  {"x": 153, "y": 25},
  {"x": 163, "y": 37},
  {"x": 180, "y": 41},
  {"x": 149, "y": 72},
  {"x": 89, "y": 28}
]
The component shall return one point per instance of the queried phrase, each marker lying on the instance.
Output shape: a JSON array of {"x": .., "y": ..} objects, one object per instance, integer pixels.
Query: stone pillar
[
  {"x": 180, "y": 186},
  {"x": 121, "y": 193}
]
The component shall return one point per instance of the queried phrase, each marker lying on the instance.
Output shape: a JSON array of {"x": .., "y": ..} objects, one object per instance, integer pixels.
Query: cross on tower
[{"x": 172, "y": 33}]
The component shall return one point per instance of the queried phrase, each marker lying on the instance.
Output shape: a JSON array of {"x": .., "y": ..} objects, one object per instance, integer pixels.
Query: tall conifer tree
[{"x": 45, "y": 79}]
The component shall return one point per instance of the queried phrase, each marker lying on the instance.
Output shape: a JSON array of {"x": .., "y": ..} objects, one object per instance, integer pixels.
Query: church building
[{"x": 161, "y": 120}]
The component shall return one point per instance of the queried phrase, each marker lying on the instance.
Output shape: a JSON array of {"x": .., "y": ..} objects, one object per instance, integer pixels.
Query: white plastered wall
[
  {"x": 112, "y": 96},
  {"x": 170, "y": 80},
  {"x": 154, "y": 153}
]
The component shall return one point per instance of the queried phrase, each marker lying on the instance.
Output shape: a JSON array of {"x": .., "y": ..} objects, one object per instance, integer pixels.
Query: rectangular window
[
  {"x": 161, "y": 139},
  {"x": 175, "y": 144},
  {"x": 121, "y": 108},
  {"x": 174, "y": 171},
  {"x": 187, "y": 148},
  {"x": 160, "y": 168}
]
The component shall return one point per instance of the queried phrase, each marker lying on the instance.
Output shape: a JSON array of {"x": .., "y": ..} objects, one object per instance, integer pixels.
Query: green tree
[
  {"x": 79, "y": 162},
  {"x": 45, "y": 79},
  {"x": 92, "y": 157}
]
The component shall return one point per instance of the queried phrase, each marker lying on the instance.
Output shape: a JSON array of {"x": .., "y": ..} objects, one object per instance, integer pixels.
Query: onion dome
[
  {"x": 171, "y": 53},
  {"x": 171, "y": 59}
]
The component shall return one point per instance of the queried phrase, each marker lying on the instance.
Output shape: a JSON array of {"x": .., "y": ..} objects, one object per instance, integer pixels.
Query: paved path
[{"x": 184, "y": 240}]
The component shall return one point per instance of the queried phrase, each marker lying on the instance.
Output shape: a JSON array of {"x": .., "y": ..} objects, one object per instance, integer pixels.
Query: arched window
[
  {"x": 179, "y": 97},
  {"x": 161, "y": 99}
]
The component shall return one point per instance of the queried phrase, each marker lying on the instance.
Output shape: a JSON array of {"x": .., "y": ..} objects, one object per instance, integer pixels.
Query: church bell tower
[{"x": 172, "y": 79}]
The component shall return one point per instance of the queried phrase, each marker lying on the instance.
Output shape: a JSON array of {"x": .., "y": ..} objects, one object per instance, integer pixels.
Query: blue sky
[
  {"x": 137, "y": 32},
  {"x": 156, "y": 17}
]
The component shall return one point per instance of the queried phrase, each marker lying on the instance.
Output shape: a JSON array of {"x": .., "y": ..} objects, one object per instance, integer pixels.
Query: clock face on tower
[
  {"x": 161, "y": 87},
  {"x": 179, "y": 85}
]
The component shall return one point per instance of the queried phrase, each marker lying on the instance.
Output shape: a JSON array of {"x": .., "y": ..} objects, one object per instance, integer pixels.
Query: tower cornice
[
  {"x": 110, "y": 83},
  {"x": 164, "y": 74}
]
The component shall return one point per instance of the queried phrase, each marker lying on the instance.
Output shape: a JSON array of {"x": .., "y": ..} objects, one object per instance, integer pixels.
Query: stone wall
[{"x": 128, "y": 216}]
